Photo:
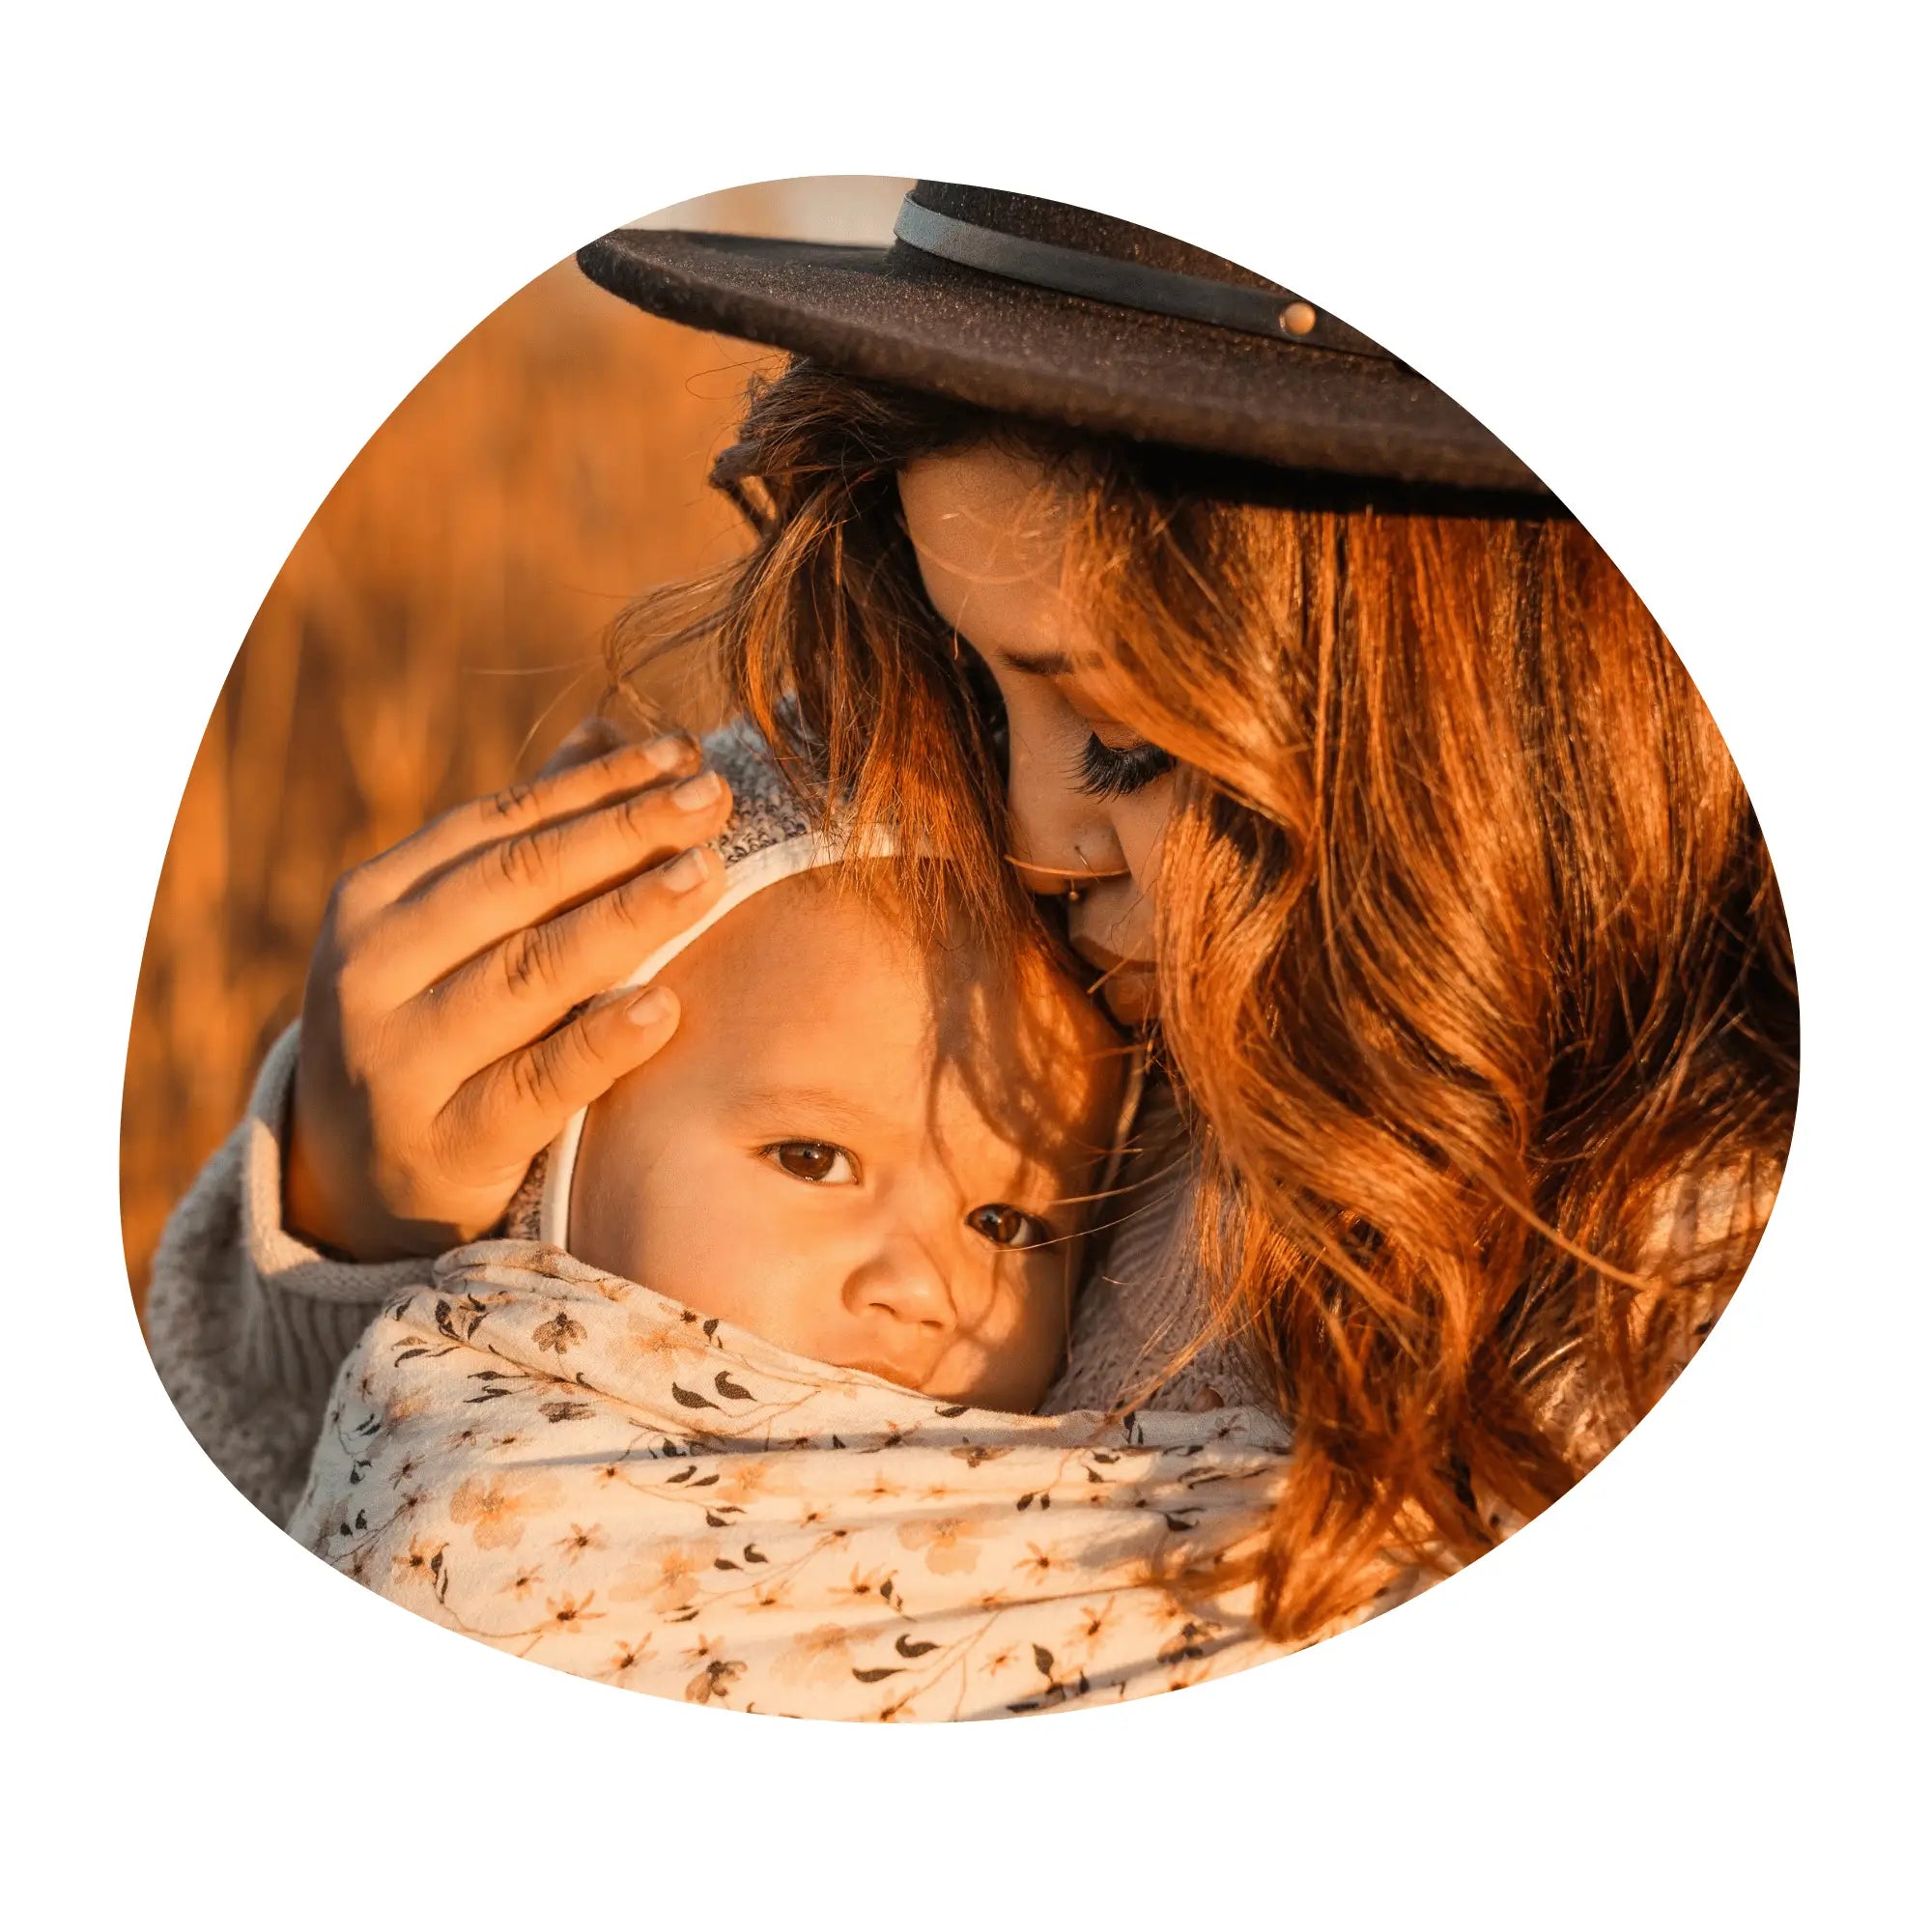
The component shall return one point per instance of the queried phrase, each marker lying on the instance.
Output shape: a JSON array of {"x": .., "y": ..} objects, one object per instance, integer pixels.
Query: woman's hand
[{"x": 429, "y": 1074}]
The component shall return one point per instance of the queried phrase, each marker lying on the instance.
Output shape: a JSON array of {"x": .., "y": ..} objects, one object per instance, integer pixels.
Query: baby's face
[{"x": 853, "y": 1151}]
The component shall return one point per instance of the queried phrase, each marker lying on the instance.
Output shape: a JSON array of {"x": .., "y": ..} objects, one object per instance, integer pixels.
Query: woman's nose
[{"x": 1055, "y": 832}]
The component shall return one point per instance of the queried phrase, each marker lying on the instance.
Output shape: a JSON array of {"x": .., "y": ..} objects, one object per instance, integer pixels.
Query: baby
[
  {"x": 755, "y": 1421},
  {"x": 873, "y": 1151},
  {"x": 872, "y": 1155}
]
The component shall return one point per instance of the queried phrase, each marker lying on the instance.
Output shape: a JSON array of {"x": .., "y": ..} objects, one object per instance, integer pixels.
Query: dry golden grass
[{"x": 433, "y": 635}]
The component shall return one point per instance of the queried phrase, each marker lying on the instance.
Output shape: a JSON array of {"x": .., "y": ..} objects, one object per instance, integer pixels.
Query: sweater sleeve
[{"x": 247, "y": 1325}]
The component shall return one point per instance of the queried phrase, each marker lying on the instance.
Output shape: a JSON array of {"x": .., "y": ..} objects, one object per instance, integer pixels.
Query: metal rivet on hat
[{"x": 1298, "y": 318}]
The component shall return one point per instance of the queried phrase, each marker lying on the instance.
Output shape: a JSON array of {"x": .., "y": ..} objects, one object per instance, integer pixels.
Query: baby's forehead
[{"x": 817, "y": 981}]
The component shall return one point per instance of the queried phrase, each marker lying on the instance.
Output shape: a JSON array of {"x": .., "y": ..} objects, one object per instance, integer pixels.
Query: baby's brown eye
[
  {"x": 813, "y": 1160},
  {"x": 1007, "y": 1227}
]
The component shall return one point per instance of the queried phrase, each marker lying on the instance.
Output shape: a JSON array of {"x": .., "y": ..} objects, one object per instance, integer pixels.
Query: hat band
[{"x": 1276, "y": 313}]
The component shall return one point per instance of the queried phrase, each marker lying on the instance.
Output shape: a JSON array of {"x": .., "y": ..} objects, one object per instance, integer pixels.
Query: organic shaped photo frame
[{"x": 1227, "y": 1032}]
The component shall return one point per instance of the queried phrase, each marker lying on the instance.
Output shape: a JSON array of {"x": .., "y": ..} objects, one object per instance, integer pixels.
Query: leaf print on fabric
[{"x": 512, "y": 1454}]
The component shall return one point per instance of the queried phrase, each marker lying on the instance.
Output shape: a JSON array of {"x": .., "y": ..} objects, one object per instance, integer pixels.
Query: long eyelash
[{"x": 1106, "y": 772}]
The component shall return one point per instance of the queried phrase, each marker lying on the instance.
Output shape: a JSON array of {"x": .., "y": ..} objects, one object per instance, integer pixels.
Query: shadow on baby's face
[{"x": 867, "y": 1151}]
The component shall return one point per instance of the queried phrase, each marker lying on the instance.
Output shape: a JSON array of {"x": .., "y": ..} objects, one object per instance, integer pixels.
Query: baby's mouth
[
  {"x": 886, "y": 1372},
  {"x": 1127, "y": 986}
]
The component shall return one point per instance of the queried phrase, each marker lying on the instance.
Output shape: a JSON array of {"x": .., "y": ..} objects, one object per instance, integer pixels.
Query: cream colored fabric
[
  {"x": 248, "y": 1324},
  {"x": 568, "y": 1467}
]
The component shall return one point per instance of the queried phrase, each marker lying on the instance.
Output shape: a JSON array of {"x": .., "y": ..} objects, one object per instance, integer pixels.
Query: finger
[
  {"x": 519, "y": 989},
  {"x": 517, "y": 808},
  {"x": 501, "y": 890},
  {"x": 504, "y": 1116},
  {"x": 594, "y": 737}
]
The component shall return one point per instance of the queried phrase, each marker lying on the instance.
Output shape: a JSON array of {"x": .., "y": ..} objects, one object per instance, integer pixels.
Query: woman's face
[{"x": 1088, "y": 796}]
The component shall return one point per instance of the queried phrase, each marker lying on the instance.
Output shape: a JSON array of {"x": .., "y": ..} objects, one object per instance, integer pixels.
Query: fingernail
[
  {"x": 688, "y": 869},
  {"x": 666, "y": 753},
  {"x": 694, "y": 794},
  {"x": 651, "y": 1007}
]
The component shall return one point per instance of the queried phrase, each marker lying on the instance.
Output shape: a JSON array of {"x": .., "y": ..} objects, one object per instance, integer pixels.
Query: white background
[{"x": 1666, "y": 254}]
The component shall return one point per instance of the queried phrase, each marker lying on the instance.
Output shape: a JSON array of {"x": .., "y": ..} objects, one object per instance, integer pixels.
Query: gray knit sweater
[{"x": 248, "y": 1324}]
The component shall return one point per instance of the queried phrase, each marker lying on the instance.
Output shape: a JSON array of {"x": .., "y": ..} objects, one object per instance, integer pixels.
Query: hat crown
[{"x": 1033, "y": 218}]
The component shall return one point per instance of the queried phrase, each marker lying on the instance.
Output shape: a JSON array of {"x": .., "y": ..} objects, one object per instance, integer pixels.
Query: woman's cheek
[{"x": 1138, "y": 825}]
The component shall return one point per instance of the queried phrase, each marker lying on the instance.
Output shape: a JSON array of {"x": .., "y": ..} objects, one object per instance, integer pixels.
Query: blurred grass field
[{"x": 433, "y": 635}]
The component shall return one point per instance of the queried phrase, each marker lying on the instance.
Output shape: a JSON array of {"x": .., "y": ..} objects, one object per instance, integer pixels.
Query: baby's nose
[{"x": 905, "y": 1283}]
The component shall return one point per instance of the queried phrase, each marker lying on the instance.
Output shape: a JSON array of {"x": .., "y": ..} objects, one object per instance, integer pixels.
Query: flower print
[
  {"x": 579, "y": 1540},
  {"x": 558, "y": 1333},
  {"x": 522, "y": 1582},
  {"x": 626, "y": 1658},
  {"x": 1037, "y": 1564},
  {"x": 883, "y": 1490},
  {"x": 567, "y": 1612},
  {"x": 664, "y": 1345},
  {"x": 947, "y": 1540},
  {"x": 497, "y": 1505},
  {"x": 1000, "y": 1659},
  {"x": 714, "y": 1681},
  {"x": 1094, "y": 1625},
  {"x": 872, "y": 1582},
  {"x": 744, "y": 1477},
  {"x": 419, "y": 1563},
  {"x": 822, "y": 1655},
  {"x": 669, "y": 1580}
]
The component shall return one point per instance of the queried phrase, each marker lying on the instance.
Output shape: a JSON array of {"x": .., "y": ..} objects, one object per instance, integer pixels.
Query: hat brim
[{"x": 899, "y": 316}]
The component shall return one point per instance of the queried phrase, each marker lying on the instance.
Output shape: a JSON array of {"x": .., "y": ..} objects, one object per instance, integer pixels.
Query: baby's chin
[
  {"x": 1131, "y": 994},
  {"x": 1003, "y": 1394}
]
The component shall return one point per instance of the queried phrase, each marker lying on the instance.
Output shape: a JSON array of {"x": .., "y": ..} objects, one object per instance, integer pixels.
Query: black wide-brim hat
[{"x": 1051, "y": 313}]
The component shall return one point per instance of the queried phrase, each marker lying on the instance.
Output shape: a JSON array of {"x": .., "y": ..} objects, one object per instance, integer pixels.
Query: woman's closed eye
[
  {"x": 820, "y": 1162},
  {"x": 1008, "y": 1227},
  {"x": 1107, "y": 771}
]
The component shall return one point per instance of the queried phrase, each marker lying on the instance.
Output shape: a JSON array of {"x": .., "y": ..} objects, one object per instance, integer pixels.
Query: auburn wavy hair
[{"x": 1476, "y": 991}]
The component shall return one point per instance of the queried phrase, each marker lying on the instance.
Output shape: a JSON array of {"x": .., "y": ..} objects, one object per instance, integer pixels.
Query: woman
[{"x": 1165, "y": 604}]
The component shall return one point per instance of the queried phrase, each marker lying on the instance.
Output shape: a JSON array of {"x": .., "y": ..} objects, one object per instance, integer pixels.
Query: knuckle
[
  {"x": 524, "y": 861},
  {"x": 526, "y": 959},
  {"x": 531, "y": 1080},
  {"x": 348, "y": 903},
  {"x": 512, "y": 805}
]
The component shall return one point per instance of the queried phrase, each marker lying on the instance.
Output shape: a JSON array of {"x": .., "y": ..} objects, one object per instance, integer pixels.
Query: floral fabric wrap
[{"x": 569, "y": 1467}]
